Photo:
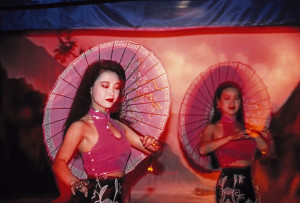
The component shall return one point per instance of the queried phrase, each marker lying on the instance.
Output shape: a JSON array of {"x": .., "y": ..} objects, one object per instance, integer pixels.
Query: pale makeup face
[
  {"x": 230, "y": 102},
  {"x": 105, "y": 91}
]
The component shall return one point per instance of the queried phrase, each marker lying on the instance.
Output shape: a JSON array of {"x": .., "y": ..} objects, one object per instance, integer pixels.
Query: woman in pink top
[
  {"x": 104, "y": 143},
  {"x": 233, "y": 146}
]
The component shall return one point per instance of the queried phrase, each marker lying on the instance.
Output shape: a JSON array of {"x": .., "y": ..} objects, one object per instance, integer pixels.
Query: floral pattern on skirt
[
  {"x": 235, "y": 186},
  {"x": 107, "y": 190}
]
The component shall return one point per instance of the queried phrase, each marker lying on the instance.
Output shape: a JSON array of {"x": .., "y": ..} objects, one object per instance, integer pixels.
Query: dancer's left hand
[
  {"x": 252, "y": 133},
  {"x": 150, "y": 143},
  {"x": 80, "y": 186}
]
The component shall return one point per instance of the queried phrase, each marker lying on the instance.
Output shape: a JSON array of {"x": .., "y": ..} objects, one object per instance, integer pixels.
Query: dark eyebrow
[
  {"x": 224, "y": 95},
  {"x": 117, "y": 83}
]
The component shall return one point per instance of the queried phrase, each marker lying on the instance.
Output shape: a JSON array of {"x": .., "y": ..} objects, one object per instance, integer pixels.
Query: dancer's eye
[
  {"x": 117, "y": 86},
  {"x": 105, "y": 84},
  {"x": 237, "y": 97}
]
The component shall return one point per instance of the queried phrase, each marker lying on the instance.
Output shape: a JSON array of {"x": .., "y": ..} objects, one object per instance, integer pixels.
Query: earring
[{"x": 218, "y": 105}]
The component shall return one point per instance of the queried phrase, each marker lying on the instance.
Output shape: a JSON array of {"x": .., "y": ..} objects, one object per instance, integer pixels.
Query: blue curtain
[{"x": 137, "y": 15}]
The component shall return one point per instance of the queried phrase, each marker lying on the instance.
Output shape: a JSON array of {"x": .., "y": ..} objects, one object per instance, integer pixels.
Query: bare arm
[
  {"x": 146, "y": 144},
  {"x": 209, "y": 141},
  {"x": 64, "y": 178}
]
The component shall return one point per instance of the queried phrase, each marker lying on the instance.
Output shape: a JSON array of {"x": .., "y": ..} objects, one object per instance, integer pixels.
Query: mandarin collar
[
  {"x": 99, "y": 114},
  {"x": 228, "y": 119}
]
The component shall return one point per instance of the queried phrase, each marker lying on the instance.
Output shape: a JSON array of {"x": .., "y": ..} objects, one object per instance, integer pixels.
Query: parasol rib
[
  {"x": 146, "y": 103},
  {"x": 86, "y": 59},
  {"x": 56, "y": 108},
  {"x": 54, "y": 135},
  {"x": 195, "y": 121},
  {"x": 55, "y": 121},
  {"x": 195, "y": 107},
  {"x": 219, "y": 74},
  {"x": 148, "y": 81},
  {"x": 261, "y": 100},
  {"x": 112, "y": 50},
  {"x": 132, "y": 162},
  {"x": 235, "y": 70},
  {"x": 244, "y": 84},
  {"x": 212, "y": 80},
  {"x": 146, "y": 93},
  {"x": 264, "y": 89},
  {"x": 227, "y": 69},
  {"x": 239, "y": 81},
  {"x": 76, "y": 71},
  {"x": 195, "y": 148},
  {"x": 136, "y": 70},
  {"x": 132, "y": 59},
  {"x": 206, "y": 87},
  {"x": 190, "y": 123},
  {"x": 205, "y": 104},
  {"x": 123, "y": 53},
  {"x": 191, "y": 140},
  {"x": 69, "y": 83},
  {"x": 143, "y": 74},
  {"x": 99, "y": 55},
  {"x": 63, "y": 96},
  {"x": 198, "y": 127},
  {"x": 201, "y": 91},
  {"x": 138, "y": 66},
  {"x": 143, "y": 122},
  {"x": 143, "y": 112},
  {"x": 56, "y": 149}
]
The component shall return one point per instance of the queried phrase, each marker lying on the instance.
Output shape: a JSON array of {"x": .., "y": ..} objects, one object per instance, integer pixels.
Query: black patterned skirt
[
  {"x": 235, "y": 186},
  {"x": 102, "y": 190}
]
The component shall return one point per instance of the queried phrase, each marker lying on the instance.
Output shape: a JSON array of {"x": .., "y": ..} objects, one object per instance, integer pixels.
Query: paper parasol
[
  {"x": 146, "y": 102},
  {"x": 197, "y": 106}
]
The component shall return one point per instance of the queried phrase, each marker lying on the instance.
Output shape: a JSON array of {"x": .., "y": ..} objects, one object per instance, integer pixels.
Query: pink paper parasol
[
  {"x": 197, "y": 106},
  {"x": 146, "y": 102}
]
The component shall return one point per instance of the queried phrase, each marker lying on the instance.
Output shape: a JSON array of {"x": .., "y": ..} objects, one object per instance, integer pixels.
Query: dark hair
[
  {"x": 216, "y": 113},
  {"x": 82, "y": 100}
]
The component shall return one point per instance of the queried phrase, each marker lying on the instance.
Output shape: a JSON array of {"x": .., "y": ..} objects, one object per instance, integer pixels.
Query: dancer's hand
[
  {"x": 80, "y": 186},
  {"x": 150, "y": 143},
  {"x": 244, "y": 134},
  {"x": 253, "y": 133}
]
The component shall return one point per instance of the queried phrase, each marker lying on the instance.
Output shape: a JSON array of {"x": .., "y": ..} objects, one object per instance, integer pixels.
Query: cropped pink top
[
  {"x": 110, "y": 154},
  {"x": 236, "y": 150}
]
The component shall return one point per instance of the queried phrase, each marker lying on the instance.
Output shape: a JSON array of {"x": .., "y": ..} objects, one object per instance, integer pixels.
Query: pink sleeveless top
[
  {"x": 236, "y": 150},
  {"x": 109, "y": 154}
]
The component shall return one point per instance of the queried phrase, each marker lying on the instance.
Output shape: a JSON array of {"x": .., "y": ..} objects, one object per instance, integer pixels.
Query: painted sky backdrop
[{"x": 275, "y": 57}]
